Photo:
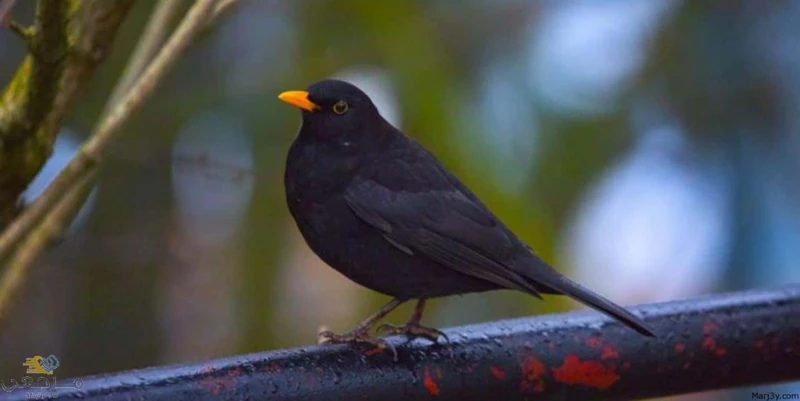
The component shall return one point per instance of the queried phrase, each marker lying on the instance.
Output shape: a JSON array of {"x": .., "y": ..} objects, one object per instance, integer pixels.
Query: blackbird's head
[{"x": 335, "y": 110}]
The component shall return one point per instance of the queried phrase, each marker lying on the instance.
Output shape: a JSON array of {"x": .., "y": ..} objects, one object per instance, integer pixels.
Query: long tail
[{"x": 555, "y": 283}]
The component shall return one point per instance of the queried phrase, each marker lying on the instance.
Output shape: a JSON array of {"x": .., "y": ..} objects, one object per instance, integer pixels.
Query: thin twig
[
  {"x": 26, "y": 33},
  {"x": 90, "y": 153},
  {"x": 85, "y": 158},
  {"x": 22, "y": 111},
  {"x": 92, "y": 27},
  {"x": 221, "y": 7},
  {"x": 65, "y": 210},
  {"x": 53, "y": 224},
  {"x": 5, "y": 8},
  {"x": 93, "y": 148},
  {"x": 153, "y": 37}
]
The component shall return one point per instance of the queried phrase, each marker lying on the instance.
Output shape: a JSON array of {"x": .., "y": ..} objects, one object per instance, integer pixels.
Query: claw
[
  {"x": 413, "y": 330},
  {"x": 329, "y": 337}
]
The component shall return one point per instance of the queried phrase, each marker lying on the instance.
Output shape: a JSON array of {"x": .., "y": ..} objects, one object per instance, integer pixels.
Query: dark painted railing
[{"x": 708, "y": 343}]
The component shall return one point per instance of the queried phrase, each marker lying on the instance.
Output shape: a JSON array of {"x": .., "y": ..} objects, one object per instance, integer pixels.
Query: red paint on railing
[{"x": 588, "y": 373}]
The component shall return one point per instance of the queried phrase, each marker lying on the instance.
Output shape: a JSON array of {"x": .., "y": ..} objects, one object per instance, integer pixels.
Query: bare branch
[
  {"x": 5, "y": 8},
  {"x": 28, "y": 99},
  {"x": 24, "y": 32},
  {"x": 153, "y": 37},
  {"x": 85, "y": 162},
  {"x": 93, "y": 148},
  {"x": 74, "y": 38},
  {"x": 53, "y": 224},
  {"x": 221, "y": 7},
  {"x": 67, "y": 207},
  {"x": 5, "y": 20}
]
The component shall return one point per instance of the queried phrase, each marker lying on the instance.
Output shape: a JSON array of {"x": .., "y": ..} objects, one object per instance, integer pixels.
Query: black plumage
[{"x": 383, "y": 211}]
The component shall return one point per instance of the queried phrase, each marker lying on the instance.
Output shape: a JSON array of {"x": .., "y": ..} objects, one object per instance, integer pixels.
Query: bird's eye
[{"x": 340, "y": 107}]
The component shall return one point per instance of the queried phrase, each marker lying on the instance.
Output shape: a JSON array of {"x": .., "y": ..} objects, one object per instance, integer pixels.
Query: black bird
[{"x": 383, "y": 211}]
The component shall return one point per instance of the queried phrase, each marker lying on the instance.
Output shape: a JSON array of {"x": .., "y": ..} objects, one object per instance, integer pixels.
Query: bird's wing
[
  {"x": 421, "y": 208},
  {"x": 442, "y": 224}
]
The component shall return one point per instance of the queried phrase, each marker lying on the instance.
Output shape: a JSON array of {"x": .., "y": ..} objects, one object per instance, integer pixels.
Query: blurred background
[{"x": 647, "y": 148}]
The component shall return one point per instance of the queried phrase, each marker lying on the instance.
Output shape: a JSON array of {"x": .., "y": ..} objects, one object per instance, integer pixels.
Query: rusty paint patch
[
  {"x": 207, "y": 382},
  {"x": 215, "y": 385},
  {"x": 587, "y": 373},
  {"x": 594, "y": 342},
  {"x": 376, "y": 350},
  {"x": 609, "y": 352},
  {"x": 709, "y": 328},
  {"x": 533, "y": 371},
  {"x": 709, "y": 343},
  {"x": 679, "y": 347},
  {"x": 271, "y": 368},
  {"x": 430, "y": 383},
  {"x": 471, "y": 367},
  {"x": 498, "y": 373}
]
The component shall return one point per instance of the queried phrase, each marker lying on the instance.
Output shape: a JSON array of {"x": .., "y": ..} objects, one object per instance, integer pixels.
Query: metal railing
[{"x": 708, "y": 343}]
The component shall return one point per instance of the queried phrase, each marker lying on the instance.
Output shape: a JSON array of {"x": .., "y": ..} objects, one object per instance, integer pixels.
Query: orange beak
[{"x": 298, "y": 99}]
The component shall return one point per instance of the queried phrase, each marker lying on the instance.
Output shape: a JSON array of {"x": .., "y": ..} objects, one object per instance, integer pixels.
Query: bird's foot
[
  {"x": 413, "y": 330},
  {"x": 355, "y": 336}
]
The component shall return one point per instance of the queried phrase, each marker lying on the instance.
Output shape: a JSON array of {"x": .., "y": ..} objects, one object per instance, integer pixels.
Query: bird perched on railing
[{"x": 383, "y": 211}]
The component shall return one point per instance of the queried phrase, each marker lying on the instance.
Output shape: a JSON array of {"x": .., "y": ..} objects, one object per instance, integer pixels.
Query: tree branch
[
  {"x": 90, "y": 153},
  {"x": 54, "y": 223},
  {"x": 67, "y": 206},
  {"x": 5, "y": 8},
  {"x": 69, "y": 39},
  {"x": 153, "y": 37},
  {"x": 221, "y": 7},
  {"x": 28, "y": 99},
  {"x": 24, "y": 32}
]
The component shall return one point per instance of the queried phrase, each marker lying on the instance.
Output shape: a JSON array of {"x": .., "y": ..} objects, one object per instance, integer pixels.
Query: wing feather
[{"x": 443, "y": 225}]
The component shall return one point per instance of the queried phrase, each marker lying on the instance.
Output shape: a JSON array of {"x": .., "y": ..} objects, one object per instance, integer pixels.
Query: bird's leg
[
  {"x": 413, "y": 328},
  {"x": 361, "y": 332}
]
